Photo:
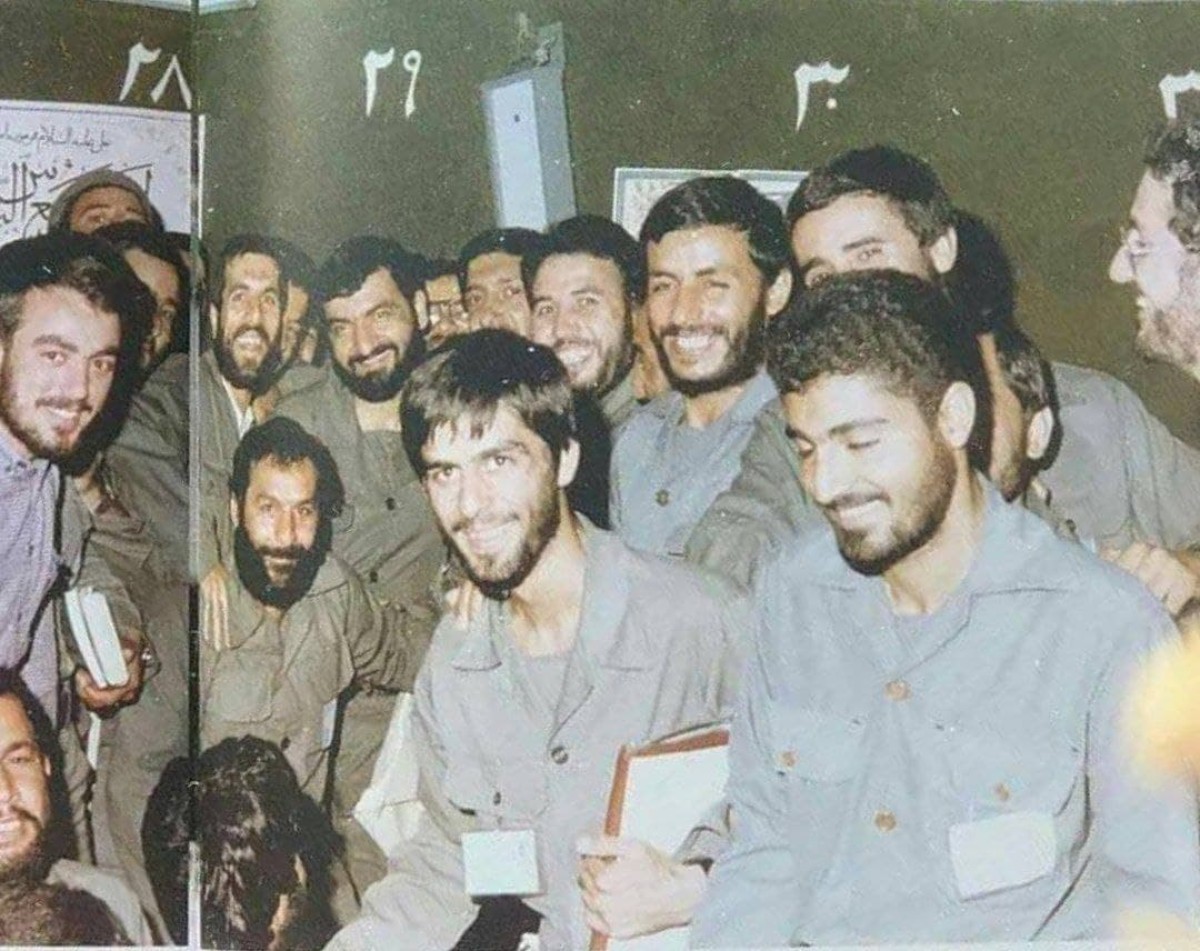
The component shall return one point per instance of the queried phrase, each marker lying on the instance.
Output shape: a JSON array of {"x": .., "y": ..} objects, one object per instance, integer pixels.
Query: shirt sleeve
[
  {"x": 421, "y": 903},
  {"x": 763, "y": 507},
  {"x": 1164, "y": 476},
  {"x": 387, "y": 642},
  {"x": 751, "y": 897},
  {"x": 1145, "y": 831}
]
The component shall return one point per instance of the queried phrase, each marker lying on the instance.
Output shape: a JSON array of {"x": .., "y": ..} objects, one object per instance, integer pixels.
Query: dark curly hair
[
  {"x": 1173, "y": 156},
  {"x": 286, "y": 441}
]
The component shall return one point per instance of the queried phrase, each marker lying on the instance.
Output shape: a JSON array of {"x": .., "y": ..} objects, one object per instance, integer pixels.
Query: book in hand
[
  {"x": 96, "y": 636},
  {"x": 661, "y": 790}
]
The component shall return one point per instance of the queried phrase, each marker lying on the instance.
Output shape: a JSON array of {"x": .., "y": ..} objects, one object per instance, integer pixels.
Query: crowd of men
[{"x": 492, "y": 519}]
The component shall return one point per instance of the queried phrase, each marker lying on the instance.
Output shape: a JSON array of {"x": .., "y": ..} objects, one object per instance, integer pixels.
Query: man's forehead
[
  {"x": 853, "y": 212},
  {"x": 494, "y": 265},
  {"x": 577, "y": 268},
  {"x": 830, "y": 401},
  {"x": 700, "y": 245},
  {"x": 270, "y": 473},
  {"x": 377, "y": 287},
  {"x": 67, "y": 313},
  {"x": 1153, "y": 203},
  {"x": 105, "y": 195},
  {"x": 472, "y": 433},
  {"x": 252, "y": 264},
  {"x": 15, "y": 725}
]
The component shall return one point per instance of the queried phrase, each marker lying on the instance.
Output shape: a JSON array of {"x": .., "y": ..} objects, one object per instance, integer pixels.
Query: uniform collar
[{"x": 603, "y": 636}]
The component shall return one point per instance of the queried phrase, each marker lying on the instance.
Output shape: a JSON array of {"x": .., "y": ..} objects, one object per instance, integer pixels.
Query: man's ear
[
  {"x": 212, "y": 321},
  {"x": 421, "y": 306},
  {"x": 944, "y": 251},
  {"x": 234, "y": 514},
  {"x": 779, "y": 292},
  {"x": 956, "y": 414},
  {"x": 1038, "y": 433},
  {"x": 568, "y": 464}
]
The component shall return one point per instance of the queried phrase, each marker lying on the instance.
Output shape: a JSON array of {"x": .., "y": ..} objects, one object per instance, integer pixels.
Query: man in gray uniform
[
  {"x": 1160, "y": 249},
  {"x": 246, "y": 301},
  {"x": 584, "y": 283},
  {"x": 301, "y": 624},
  {"x": 580, "y": 644},
  {"x": 385, "y": 532},
  {"x": 716, "y": 265},
  {"x": 26, "y": 813},
  {"x": 930, "y": 742},
  {"x": 1119, "y": 478}
]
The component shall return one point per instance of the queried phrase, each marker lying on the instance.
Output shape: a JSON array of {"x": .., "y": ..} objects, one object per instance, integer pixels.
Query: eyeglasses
[{"x": 1134, "y": 244}]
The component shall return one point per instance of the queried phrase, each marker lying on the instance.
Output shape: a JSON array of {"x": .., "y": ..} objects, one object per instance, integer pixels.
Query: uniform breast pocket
[
  {"x": 818, "y": 754},
  {"x": 499, "y": 795},
  {"x": 1017, "y": 811},
  {"x": 344, "y": 522},
  {"x": 242, "y": 686}
]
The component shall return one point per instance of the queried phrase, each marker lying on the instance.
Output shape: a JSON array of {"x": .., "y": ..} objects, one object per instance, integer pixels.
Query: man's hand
[
  {"x": 105, "y": 701},
  {"x": 631, "y": 888},
  {"x": 1162, "y": 572},
  {"x": 214, "y": 608}
]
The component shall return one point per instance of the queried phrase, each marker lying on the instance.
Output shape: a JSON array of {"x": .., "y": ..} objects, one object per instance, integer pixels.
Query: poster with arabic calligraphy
[
  {"x": 635, "y": 190},
  {"x": 44, "y": 146}
]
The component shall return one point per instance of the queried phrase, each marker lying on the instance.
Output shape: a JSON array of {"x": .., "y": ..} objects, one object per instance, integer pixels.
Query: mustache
[
  {"x": 381, "y": 349},
  {"x": 76, "y": 406},
  {"x": 466, "y": 524},
  {"x": 674, "y": 330},
  {"x": 852, "y": 499},
  {"x": 290, "y": 552}
]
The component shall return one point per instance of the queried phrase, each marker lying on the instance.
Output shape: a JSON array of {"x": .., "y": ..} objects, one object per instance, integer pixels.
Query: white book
[
  {"x": 95, "y": 635},
  {"x": 660, "y": 792}
]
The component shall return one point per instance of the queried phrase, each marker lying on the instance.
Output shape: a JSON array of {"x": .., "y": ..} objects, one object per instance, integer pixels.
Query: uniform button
[
  {"x": 372, "y": 575},
  {"x": 390, "y": 503},
  {"x": 897, "y": 690},
  {"x": 787, "y": 759},
  {"x": 285, "y": 743},
  {"x": 662, "y": 496},
  {"x": 885, "y": 821},
  {"x": 1003, "y": 793},
  {"x": 496, "y": 799},
  {"x": 559, "y": 755}
]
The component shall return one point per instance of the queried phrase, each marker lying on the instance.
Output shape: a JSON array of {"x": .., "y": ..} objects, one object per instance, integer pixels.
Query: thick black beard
[
  {"x": 256, "y": 381},
  {"x": 499, "y": 589},
  {"x": 252, "y": 570},
  {"x": 753, "y": 352},
  {"x": 375, "y": 389},
  {"x": 30, "y": 869}
]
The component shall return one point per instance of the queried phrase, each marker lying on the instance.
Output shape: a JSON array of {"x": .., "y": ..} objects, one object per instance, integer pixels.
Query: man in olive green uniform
[{"x": 386, "y": 532}]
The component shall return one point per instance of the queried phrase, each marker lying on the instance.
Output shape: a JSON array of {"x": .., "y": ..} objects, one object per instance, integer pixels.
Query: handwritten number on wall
[
  {"x": 809, "y": 74},
  {"x": 375, "y": 62},
  {"x": 1172, "y": 86},
  {"x": 140, "y": 56}
]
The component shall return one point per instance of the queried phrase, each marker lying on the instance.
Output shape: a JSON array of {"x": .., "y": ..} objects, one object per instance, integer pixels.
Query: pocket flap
[
  {"x": 1002, "y": 852},
  {"x": 816, "y": 745}
]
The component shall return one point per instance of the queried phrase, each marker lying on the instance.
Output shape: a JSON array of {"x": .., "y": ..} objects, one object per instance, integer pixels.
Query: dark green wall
[
  {"x": 77, "y": 50},
  {"x": 1034, "y": 114}
]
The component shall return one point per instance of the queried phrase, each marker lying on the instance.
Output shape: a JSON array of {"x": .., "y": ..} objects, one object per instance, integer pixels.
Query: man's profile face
[
  {"x": 495, "y": 496},
  {"x": 495, "y": 294},
  {"x": 1009, "y": 465},
  {"x": 162, "y": 279},
  {"x": 581, "y": 312},
  {"x": 104, "y": 205},
  {"x": 881, "y": 475},
  {"x": 297, "y": 343},
  {"x": 371, "y": 337},
  {"x": 24, "y": 792},
  {"x": 278, "y": 528},
  {"x": 857, "y": 232},
  {"x": 249, "y": 321},
  {"x": 1166, "y": 274},
  {"x": 56, "y": 371},
  {"x": 706, "y": 304}
]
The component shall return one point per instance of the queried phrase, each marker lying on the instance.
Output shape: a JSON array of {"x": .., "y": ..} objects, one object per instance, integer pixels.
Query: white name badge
[{"x": 501, "y": 863}]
